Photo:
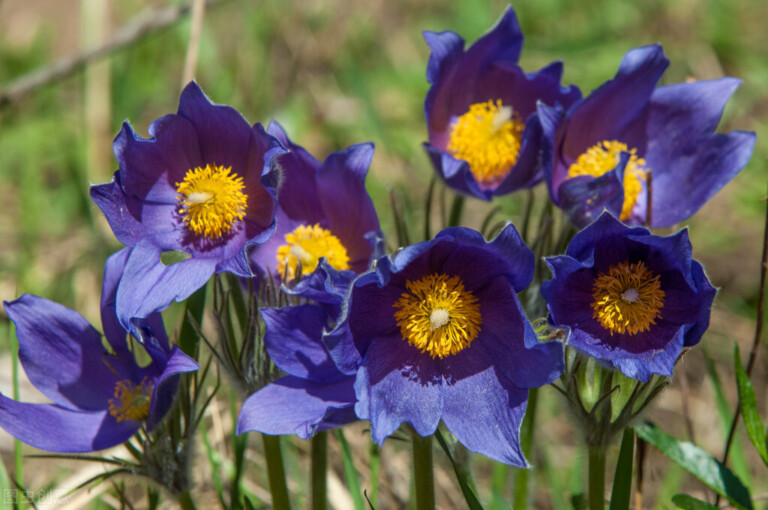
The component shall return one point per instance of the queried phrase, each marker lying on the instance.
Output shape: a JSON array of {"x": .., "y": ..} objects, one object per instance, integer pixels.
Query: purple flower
[
  {"x": 203, "y": 185},
  {"x": 315, "y": 395},
  {"x": 437, "y": 333},
  {"x": 632, "y": 300},
  {"x": 484, "y": 132},
  {"x": 629, "y": 135},
  {"x": 100, "y": 398},
  {"x": 323, "y": 211}
]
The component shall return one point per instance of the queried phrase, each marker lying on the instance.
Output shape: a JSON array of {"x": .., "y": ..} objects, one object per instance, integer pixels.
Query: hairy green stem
[
  {"x": 373, "y": 497},
  {"x": 423, "y": 475},
  {"x": 456, "y": 209},
  {"x": 185, "y": 501},
  {"x": 520, "y": 498},
  {"x": 276, "y": 472},
  {"x": 596, "y": 477},
  {"x": 320, "y": 471}
]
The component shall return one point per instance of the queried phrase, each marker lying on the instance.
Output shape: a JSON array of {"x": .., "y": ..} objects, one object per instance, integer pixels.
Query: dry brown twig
[{"x": 141, "y": 25}]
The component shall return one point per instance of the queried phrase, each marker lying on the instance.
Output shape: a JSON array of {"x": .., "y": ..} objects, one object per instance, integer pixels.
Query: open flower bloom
[
  {"x": 100, "y": 398},
  {"x": 323, "y": 211},
  {"x": 632, "y": 300},
  {"x": 630, "y": 136},
  {"x": 484, "y": 132},
  {"x": 437, "y": 333},
  {"x": 202, "y": 185},
  {"x": 315, "y": 395}
]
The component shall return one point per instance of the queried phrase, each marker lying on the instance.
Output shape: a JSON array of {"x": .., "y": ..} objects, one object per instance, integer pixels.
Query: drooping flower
[
  {"x": 100, "y": 398},
  {"x": 323, "y": 210},
  {"x": 437, "y": 333},
  {"x": 484, "y": 132},
  {"x": 632, "y": 300},
  {"x": 629, "y": 135},
  {"x": 204, "y": 185},
  {"x": 315, "y": 395}
]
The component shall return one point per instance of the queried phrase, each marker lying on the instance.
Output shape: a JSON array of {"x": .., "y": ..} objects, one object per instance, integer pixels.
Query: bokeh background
[{"x": 334, "y": 73}]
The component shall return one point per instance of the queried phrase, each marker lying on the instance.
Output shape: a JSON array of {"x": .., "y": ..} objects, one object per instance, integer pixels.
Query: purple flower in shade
[
  {"x": 315, "y": 395},
  {"x": 437, "y": 333},
  {"x": 204, "y": 184},
  {"x": 632, "y": 300},
  {"x": 323, "y": 211},
  {"x": 100, "y": 398},
  {"x": 484, "y": 132},
  {"x": 629, "y": 135}
]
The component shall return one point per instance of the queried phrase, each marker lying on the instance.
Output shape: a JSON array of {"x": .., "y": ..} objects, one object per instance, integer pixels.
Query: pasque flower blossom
[
  {"x": 437, "y": 333},
  {"x": 630, "y": 136},
  {"x": 100, "y": 398},
  {"x": 204, "y": 185},
  {"x": 632, "y": 300},
  {"x": 323, "y": 210},
  {"x": 484, "y": 132}
]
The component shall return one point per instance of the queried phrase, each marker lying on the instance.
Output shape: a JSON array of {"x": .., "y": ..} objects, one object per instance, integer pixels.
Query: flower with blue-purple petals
[
  {"x": 314, "y": 395},
  {"x": 632, "y": 300},
  {"x": 323, "y": 210},
  {"x": 100, "y": 398},
  {"x": 484, "y": 132},
  {"x": 204, "y": 185},
  {"x": 436, "y": 332},
  {"x": 630, "y": 136}
]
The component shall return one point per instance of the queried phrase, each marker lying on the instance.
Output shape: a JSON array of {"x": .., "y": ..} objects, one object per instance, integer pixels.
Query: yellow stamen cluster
[
  {"x": 307, "y": 244},
  {"x": 628, "y": 299},
  {"x": 211, "y": 199},
  {"x": 131, "y": 402},
  {"x": 603, "y": 157},
  {"x": 488, "y": 137},
  {"x": 438, "y": 316}
]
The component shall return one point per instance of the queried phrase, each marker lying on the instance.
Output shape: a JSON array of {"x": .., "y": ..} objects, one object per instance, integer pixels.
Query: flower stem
[
  {"x": 185, "y": 501},
  {"x": 276, "y": 472},
  {"x": 456, "y": 209},
  {"x": 520, "y": 497},
  {"x": 597, "y": 477},
  {"x": 320, "y": 471},
  {"x": 422, "y": 472}
]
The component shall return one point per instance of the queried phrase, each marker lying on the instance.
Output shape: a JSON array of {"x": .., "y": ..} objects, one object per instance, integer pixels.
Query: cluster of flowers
[{"x": 434, "y": 332}]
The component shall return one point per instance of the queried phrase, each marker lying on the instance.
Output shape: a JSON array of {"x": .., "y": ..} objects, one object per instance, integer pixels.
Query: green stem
[
  {"x": 276, "y": 472},
  {"x": 499, "y": 485},
  {"x": 520, "y": 498},
  {"x": 185, "y": 501},
  {"x": 18, "y": 456},
  {"x": 423, "y": 475},
  {"x": 456, "y": 209},
  {"x": 320, "y": 471},
  {"x": 596, "y": 477},
  {"x": 375, "y": 463}
]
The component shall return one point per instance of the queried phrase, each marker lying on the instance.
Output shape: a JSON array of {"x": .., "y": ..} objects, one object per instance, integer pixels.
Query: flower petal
[
  {"x": 397, "y": 383},
  {"x": 62, "y": 354},
  {"x": 56, "y": 429},
  {"x": 292, "y": 405},
  {"x": 293, "y": 340},
  {"x": 166, "y": 383}
]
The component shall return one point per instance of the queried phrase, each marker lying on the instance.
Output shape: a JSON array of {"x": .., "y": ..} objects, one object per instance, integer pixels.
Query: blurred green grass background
[{"x": 334, "y": 73}]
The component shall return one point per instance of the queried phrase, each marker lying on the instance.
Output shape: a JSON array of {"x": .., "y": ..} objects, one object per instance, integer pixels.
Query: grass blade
[
  {"x": 622, "y": 481},
  {"x": 699, "y": 463},
  {"x": 466, "y": 489},
  {"x": 350, "y": 472},
  {"x": 748, "y": 403}
]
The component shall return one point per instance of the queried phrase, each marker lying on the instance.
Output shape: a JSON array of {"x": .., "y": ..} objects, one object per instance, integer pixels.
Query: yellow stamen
[
  {"x": 211, "y": 199},
  {"x": 306, "y": 244},
  {"x": 488, "y": 137},
  {"x": 628, "y": 299},
  {"x": 438, "y": 316},
  {"x": 131, "y": 402},
  {"x": 602, "y": 158}
]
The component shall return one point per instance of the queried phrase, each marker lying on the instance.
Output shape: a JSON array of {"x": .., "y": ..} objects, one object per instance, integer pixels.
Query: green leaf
[
  {"x": 350, "y": 472},
  {"x": 690, "y": 503},
  {"x": 466, "y": 489},
  {"x": 748, "y": 404},
  {"x": 699, "y": 463},
  {"x": 622, "y": 480}
]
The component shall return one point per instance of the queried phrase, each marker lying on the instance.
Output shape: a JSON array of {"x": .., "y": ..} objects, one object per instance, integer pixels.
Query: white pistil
[
  {"x": 630, "y": 295},
  {"x": 503, "y": 116},
  {"x": 438, "y": 318}
]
